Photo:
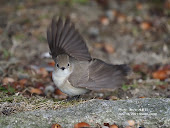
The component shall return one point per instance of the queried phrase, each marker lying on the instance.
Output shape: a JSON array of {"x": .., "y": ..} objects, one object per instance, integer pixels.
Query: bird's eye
[
  {"x": 68, "y": 65},
  {"x": 57, "y": 65}
]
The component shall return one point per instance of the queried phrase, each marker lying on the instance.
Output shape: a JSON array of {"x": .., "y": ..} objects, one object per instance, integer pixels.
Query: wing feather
[
  {"x": 58, "y": 32},
  {"x": 63, "y": 38},
  {"x": 80, "y": 73},
  {"x": 103, "y": 76}
]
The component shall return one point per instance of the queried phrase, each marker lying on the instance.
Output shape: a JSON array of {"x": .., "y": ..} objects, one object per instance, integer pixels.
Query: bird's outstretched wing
[
  {"x": 103, "y": 76},
  {"x": 63, "y": 38}
]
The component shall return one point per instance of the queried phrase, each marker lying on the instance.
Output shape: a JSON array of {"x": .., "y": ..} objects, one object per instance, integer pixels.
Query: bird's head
[{"x": 62, "y": 63}]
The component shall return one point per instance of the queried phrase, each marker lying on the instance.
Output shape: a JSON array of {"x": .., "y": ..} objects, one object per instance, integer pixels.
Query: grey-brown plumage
[
  {"x": 63, "y": 38},
  {"x": 76, "y": 72}
]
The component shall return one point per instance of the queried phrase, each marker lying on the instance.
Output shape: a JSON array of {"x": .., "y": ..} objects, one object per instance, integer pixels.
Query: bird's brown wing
[
  {"x": 63, "y": 38},
  {"x": 103, "y": 76},
  {"x": 80, "y": 73}
]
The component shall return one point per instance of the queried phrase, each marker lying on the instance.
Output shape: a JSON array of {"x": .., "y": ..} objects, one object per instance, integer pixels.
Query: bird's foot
[{"x": 77, "y": 97}]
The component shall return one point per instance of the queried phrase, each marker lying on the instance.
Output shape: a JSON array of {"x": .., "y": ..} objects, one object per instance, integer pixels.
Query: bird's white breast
[
  {"x": 60, "y": 79},
  {"x": 60, "y": 76}
]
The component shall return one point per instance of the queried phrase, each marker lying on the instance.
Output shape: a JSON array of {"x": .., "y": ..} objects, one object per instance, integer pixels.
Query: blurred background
[{"x": 136, "y": 32}]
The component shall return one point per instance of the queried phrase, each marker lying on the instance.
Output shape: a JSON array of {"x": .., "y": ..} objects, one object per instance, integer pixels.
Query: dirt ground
[{"x": 117, "y": 31}]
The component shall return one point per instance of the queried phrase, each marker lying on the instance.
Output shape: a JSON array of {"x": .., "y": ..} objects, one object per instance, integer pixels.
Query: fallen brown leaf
[
  {"x": 160, "y": 74},
  {"x": 43, "y": 72},
  {"x": 58, "y": 92},
  {"x": 142, "y": 97},
  {"x": 104, "y": 21},
  {"x": 139, "y": 6},
  {"x": 98, "y": 45},
  {"x": 7, "y": 80},
  {"x": 113, "y": 98},
  {"x": 23, "y": 81},
  {"x": 40, "y": 85},
  {"x": 35, "y": 91},
  {"x": 141, "y": 68},
  {"x": 17, "y": 85},
  {"x": 131, "y": 122},
  {"x": 121, "y": 18},
  {"x": 115, "y": 13},
  {"x": 55, "y": 126},
  {"x": 145, "y": 25},
  {"x": 82, "y": 125},
  {"x": 108, "y": 48},
  {"x": 113, "y": 126},
  {"x": 52, "y": 63},
  {"x": 163, "y": 86},
  {"x": 105, "y": 46},
  {"x": 167, "y": 4}
]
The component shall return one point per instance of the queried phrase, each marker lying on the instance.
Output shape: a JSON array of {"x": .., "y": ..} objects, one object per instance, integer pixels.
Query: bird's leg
[{"x": 77, "y": 97}]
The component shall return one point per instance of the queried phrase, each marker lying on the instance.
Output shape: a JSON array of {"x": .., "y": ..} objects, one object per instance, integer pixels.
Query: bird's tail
[{"x": 124, "y": 68}]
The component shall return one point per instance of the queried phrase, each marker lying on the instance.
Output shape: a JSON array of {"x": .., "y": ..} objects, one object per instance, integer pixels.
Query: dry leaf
[
  {"x": 131, "y": 122},
  {"x": 98, "y": 45},
  {"x": 7, "y": 80},
  {"x": 113, "y": 98},
  {"x": 115, "y": 13},
  {"x": 113, "y": 126},
  {"x": 145, "y": 25},
  {"x": 81, "y": 125},
  {"x": 121, "y": 18},
  {"x": 23, "y": 81},
  {"x": 104, "y": 21},
  {"x": 140, "y": 68},
  {"x": 139, "y": 6},
  {"x": 58, "y": 92},
  {"x": 142, "y": 97},
  {"x": 35, "y": 91},
  {"x": 109, "y": 48},
  {"x": 55, "y": 126},
  {"x": 17, "y": 85},
  {"x": 52, "y": 63},
  {"x": 43, "y": 72},
  {"x": 163, "y": 86},
  {"x": 161, "y": 75},
  {"x": 105, "y": 46},
  {"x": 167, "y": 4}
]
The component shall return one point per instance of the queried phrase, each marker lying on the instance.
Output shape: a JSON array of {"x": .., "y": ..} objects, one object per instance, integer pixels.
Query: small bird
[{"x": 75, "y": 71}]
